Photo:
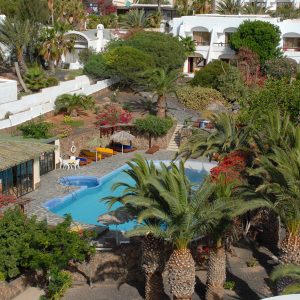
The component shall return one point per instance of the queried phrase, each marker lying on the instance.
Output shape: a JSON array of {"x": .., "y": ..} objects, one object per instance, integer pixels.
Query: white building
[
  {"x": 211, "y": 34},
  {"x": 95, "y": 39},
  {"x": 273, "y": 4}
]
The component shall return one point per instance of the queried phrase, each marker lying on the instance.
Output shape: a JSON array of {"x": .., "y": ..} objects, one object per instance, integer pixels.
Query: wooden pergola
[{"x": 112, "y": 128}]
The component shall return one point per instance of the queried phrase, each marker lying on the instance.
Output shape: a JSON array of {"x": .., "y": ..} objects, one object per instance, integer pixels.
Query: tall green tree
[
  {"x": 54, "y": 44},
  {"x": 260, "y": 37},
  {"x": 15, "y": 35},
  {"x": 161, "y": 83}
]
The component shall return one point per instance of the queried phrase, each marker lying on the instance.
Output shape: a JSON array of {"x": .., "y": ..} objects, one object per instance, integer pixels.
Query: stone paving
[
  {"x": 251, "y": 283},
  {"x": 50, "y": 188}
]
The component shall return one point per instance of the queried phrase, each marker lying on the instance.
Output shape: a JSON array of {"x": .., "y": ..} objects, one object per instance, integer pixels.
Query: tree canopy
[
  {"x": 167, "y": 51},
  {"x": 259, "y": 36}
]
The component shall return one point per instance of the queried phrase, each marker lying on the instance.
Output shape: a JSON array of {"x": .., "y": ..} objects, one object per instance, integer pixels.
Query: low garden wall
[
  {"x": 14, "y": 112},
  {"x": 12, "y": 289}
]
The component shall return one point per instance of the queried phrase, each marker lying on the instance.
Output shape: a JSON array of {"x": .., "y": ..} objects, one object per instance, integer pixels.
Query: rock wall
[
  {"x": 81, "y": 140},
  {"x": 12, "y": 289}
]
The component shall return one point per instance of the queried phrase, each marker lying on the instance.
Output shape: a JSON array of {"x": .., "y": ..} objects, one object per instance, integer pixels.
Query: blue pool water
[{"x": 84, "y": 204}]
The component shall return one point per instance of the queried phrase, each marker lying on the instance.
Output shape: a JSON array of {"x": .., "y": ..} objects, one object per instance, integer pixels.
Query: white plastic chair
[
  {"x": 63, "y": 164},
  {"x": 73, "y": 157},
  {"x": 76, "y": 164}
]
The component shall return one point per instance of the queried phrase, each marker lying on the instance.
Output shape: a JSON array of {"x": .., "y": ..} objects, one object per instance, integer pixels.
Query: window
[
  {"x": 47, "y": 162},
  {"x": 18, "y": 180},
  {"x": 227, "y": 37},
  {"x": 201, "y": 38},
  {"x": 291, "y": 43}
]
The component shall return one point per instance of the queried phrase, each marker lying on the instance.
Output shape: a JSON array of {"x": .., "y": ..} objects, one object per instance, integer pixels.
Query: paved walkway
[
  {"x": 31, "y": 293},
  {"x": 50, "y": 188}
]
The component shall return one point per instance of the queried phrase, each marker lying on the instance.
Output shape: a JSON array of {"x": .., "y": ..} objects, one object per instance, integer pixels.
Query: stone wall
[
  {"x": 142, "y": 141},
  {"x": 81, "y": 140},
  {"x": 12, "y": 289},
  {"x": 121, "y": 264}
]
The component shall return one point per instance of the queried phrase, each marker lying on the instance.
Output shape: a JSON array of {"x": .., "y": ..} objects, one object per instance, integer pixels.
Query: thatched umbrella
[
  {"x": 116, "y": 217},
  {"x": 121, "y": 137}
]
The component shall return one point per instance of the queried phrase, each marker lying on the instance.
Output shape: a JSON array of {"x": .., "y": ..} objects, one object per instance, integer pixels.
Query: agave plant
[
  {"x": 224, "y": 138},
  {"x": 290, "y": 271}
]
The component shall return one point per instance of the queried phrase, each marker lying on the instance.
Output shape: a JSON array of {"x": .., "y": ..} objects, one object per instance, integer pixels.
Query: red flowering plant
[
  {"x": 231, "y": 167},
  {"x": 112, "y": 115},
  {"x": 6, "y": 200}
]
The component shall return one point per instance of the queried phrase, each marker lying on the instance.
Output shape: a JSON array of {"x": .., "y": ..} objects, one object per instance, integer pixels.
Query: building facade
[{"x": 211, "y": 34}]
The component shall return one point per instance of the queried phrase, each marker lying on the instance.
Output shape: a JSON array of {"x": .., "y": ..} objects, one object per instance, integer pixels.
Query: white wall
[
  {"x": 8, "y": 90},
  {"x": 32, "y": 106}
]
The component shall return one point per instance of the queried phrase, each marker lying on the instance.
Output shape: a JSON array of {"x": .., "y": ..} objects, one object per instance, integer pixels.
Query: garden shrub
[
  {"x": 72, "y": 103},
  {"x": 96, "y": 67},
  {"x": 113, "y": 114},
  {"x": 153, "y": 126},
  {"x": 128, "y": 63},
  {"x": 231, "y": 85},
  {"x": 28, "y": 244},
  {"x": 60, "y": 281},
  {"x": 208, "y": 76},
  {"x": 261, "y": 37},
  {"x": 158, "y": 46},
  {"x": 36, "y": 79},
  {"x": 198, "y": 98},
  {"x": 85, "y": 54},
  {"x": 275, "y": 94},
  {"x": 282, "y": 67},
  {"x": 36, "y": 130}
]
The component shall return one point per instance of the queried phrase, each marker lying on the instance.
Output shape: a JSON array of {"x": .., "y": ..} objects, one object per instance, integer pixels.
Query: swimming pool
[{"x": 84, "y": 204}]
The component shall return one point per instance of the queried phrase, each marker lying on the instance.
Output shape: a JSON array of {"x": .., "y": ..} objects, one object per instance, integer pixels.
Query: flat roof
[{"x": 16, "y": 151}]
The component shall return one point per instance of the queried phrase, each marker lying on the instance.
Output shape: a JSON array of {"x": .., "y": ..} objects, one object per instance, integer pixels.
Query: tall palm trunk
[
  {"x": 216, "y": 273},
  {"x": 161, "y": 106},
  {"x": 159, "y": 6},
  {"x": 51, "y": 65},
  {"x": 21, "y": 61},
  {"x": 289, "y": 254},
  {"x": 213, "y": 6},
  {"x": 181, "y": 274},
  {"x": 153, "y": 265}
]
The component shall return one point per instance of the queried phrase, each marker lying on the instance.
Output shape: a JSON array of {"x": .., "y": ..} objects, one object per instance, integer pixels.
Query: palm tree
[
  {"x": 54, "y": 44},
  {"x": 161, "y": 83},
  {"x": 280, "y": 177},
  {"x": 153, "y": 256},
  {"x": 224, "y": 138},
  {"x": 201, "y": 6},
  {"x": 188, "y": 44},
  {"x": 286, "y": 11},
  {"x": 134, "y": 19},
  {"x": 174, "y": 211},
  {"x": 254, "y": 9},
  {"x": 229, "y": 7},
  {"x": 15, "y": 35},
  {"x": 230, "y": 197},
  {"x": 290, "y": 271}
]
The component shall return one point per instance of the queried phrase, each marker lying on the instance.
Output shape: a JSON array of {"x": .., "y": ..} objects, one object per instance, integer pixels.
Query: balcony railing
[
  {"x": 291, "y": 48},
  {"x": 203, "y": 43},
  {"x": 221, "y": 44}
]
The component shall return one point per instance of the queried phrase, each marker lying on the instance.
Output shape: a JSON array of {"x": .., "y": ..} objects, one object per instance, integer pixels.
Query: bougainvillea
[
  {"x": 231, "y": 167},
  {"x": 6, "y": 200},
  {"x": 112, "y": 115}
]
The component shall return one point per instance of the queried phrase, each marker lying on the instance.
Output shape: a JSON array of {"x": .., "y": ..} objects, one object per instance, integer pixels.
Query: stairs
[{"x": 175, "y": 139}]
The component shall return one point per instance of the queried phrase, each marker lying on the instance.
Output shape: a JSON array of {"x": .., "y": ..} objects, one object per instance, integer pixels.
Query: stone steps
[{"x": 175, "y": 139}]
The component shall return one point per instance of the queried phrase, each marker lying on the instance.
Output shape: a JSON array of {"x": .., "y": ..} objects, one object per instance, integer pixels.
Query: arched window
[{"x": 201, "y": 36}]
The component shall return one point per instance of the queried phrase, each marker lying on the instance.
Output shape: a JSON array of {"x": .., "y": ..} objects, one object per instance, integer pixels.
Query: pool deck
[{"x": 50, "y": 188}]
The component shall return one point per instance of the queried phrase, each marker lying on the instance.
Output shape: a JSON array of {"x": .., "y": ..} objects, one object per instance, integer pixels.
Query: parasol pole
[{"x": 122, "y": 148}]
